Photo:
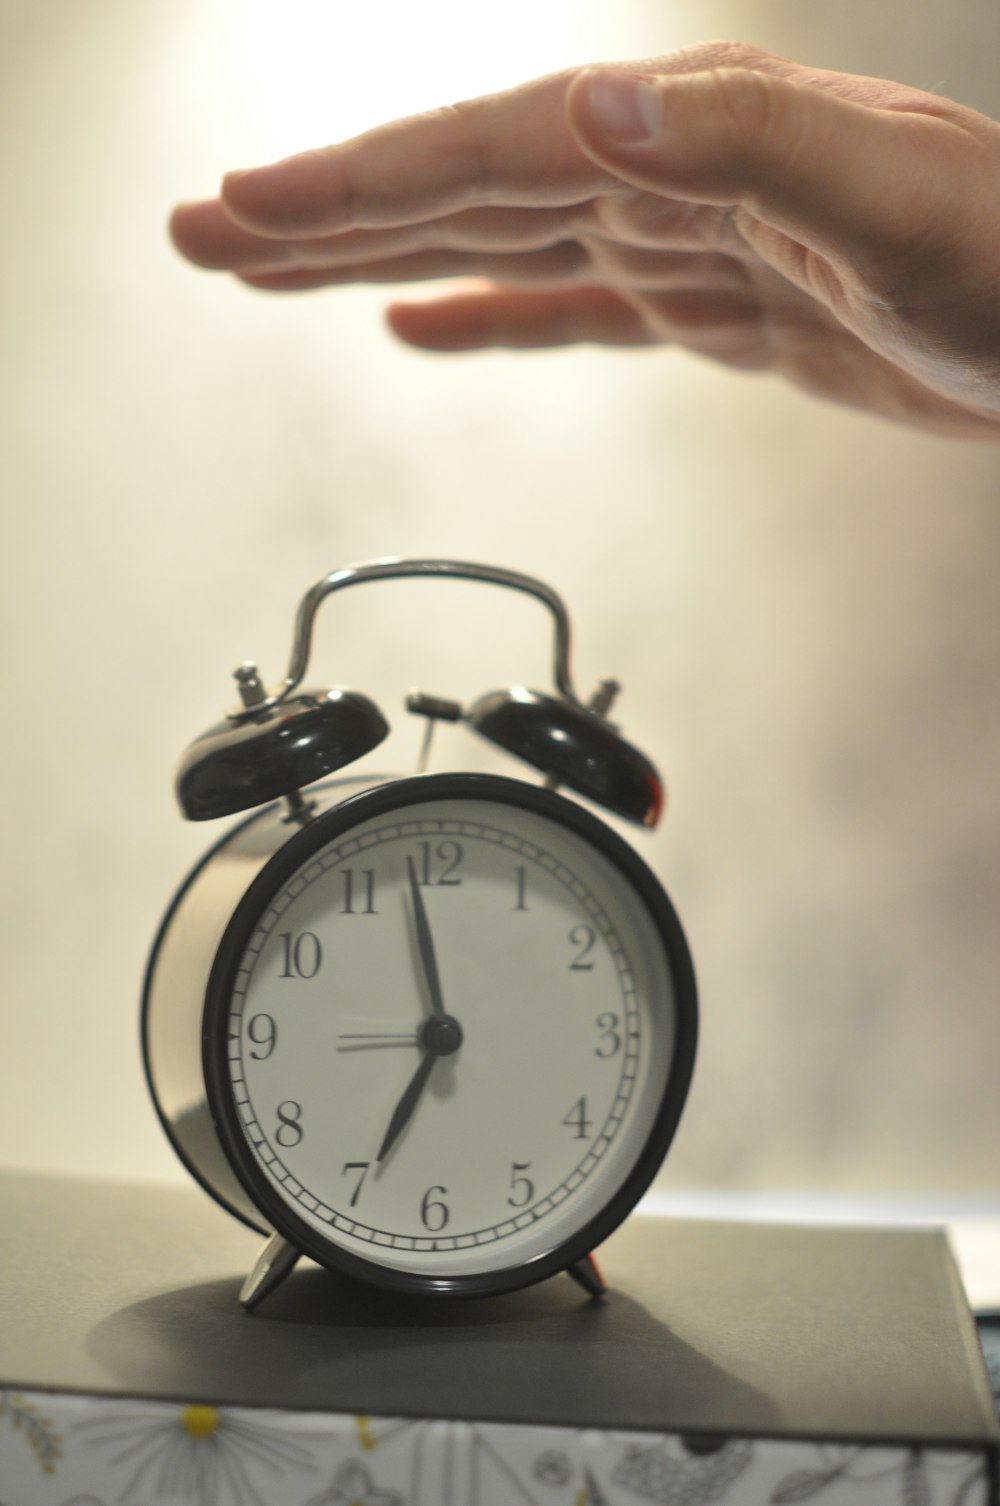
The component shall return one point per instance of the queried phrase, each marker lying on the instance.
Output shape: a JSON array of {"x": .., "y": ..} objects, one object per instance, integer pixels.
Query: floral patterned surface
[{"x": 67, "y": 1450}]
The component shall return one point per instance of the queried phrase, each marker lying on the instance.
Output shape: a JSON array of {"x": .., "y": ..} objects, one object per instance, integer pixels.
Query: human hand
[{"x": 837, "y": 230}]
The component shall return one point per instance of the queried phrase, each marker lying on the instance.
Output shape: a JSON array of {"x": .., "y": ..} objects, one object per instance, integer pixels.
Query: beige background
[{"x": 802, "y": 603}]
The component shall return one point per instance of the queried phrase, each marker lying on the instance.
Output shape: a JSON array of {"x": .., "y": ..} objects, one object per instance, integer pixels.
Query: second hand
[{"x": 377, "y": 1038}]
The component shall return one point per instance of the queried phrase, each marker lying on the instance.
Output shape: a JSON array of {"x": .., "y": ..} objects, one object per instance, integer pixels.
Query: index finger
[{"x": 513, "y": 148}]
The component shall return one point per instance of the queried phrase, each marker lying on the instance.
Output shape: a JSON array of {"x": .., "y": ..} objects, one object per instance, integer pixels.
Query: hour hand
[
  {"x": 440, "y": 1035},
  {"x": 404, "y": 1108}
]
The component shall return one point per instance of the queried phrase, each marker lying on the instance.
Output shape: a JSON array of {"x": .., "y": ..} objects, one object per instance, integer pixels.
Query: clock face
[{"x": 452, "y": 1033}]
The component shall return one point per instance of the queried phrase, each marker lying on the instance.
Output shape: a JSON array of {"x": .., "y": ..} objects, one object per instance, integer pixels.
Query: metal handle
[{"x": 400, "y": 569}]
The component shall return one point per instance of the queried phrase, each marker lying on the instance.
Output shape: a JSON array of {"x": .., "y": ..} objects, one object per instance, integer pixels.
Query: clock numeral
[
  {"x": 363, "y": 894},
  {"x": 448, "y": 855},
  {"x": 263, "y": 1032},
  {"x": 577, "y": 1120},
  {"x": 523, "y": 1186},
  {"x": 522, "y": 884},
  {"x": 610, "y": 1042},
  {"x": 289, "y": 1131},
  {"x": 361, "y": 1166},
  {"x": 302, "y": 955},
  {"x": 583, "y": 938},
  {"x": 434, "y": 1214}
]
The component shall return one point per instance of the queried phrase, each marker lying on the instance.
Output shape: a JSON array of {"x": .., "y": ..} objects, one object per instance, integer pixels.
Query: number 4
[{"x": 577, "y": 1120}]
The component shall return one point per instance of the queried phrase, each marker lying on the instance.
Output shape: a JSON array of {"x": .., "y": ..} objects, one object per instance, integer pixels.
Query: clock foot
[
  {"x": 272, "y": 1265},
  {"x": 588, "y": 1275}
]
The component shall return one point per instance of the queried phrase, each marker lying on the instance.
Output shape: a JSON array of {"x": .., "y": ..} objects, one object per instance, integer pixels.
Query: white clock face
[{"x": 450, "y": 1036}]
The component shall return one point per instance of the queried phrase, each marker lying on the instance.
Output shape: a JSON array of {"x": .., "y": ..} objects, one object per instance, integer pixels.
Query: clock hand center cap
[{"x": 440, "y": 1034}]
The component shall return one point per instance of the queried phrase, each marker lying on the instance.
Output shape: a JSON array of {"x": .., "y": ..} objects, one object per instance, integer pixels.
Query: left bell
[{"x": 239, "y": 764}]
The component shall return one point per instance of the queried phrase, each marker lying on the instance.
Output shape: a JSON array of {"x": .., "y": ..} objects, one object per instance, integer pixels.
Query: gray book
[{"x": 727, "y": 1361}]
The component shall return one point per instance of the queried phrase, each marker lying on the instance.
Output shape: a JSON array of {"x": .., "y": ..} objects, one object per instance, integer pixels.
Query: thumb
[{"x": 843, "y": 178}]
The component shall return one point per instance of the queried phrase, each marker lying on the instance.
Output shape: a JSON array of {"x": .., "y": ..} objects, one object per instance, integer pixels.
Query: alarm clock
[{"x": 434, "y": 1031}]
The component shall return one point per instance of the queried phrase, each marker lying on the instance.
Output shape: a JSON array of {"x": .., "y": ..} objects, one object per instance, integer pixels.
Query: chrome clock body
[
  {"x": 542, "y": 1106},
  {"x": 434, "y": 1031}
]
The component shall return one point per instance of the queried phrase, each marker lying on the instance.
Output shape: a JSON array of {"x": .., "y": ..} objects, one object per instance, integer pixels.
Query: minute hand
[{"x": 425, "y": 943}]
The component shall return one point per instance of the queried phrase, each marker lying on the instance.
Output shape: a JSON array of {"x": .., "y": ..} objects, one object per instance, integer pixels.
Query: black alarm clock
[{"x": 433, "y": 1031}]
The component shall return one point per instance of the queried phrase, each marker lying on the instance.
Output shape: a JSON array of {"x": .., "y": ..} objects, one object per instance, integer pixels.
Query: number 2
[{"x": 583, "y": 938}]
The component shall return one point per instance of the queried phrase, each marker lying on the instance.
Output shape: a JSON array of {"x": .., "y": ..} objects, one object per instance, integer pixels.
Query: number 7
[{"x": 361, "y": 1166}]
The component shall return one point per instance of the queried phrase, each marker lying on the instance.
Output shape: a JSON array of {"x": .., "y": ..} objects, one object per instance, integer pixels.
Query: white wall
[{"x": 801, "y": 602}]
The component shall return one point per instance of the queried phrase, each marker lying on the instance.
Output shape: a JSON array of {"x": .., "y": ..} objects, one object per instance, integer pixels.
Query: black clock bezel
[{"x": 325, "y": 828}]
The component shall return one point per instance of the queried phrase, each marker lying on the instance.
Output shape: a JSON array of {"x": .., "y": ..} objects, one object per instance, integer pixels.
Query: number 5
[{"x": 521, "y": 1184}]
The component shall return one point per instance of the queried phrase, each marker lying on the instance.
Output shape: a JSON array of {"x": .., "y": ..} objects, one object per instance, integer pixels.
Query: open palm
[{"x": 837, "y": 230}]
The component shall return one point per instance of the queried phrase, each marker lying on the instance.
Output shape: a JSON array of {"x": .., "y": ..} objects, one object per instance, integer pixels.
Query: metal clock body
[{"x": 435, "y": 1032}]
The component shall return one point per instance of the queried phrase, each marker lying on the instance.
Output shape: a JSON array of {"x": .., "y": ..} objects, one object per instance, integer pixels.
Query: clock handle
[
  {"x": 570, "y": 741},
  {"x": 275, "y": 743},
  {"x": 400, "y": 569}
]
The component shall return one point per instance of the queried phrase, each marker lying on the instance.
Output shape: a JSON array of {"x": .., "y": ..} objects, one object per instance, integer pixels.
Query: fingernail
[
  {"x": 234, "y": 178},
  {"x": 253, "y": 175},
  {"x": 624, "y": 107}
]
